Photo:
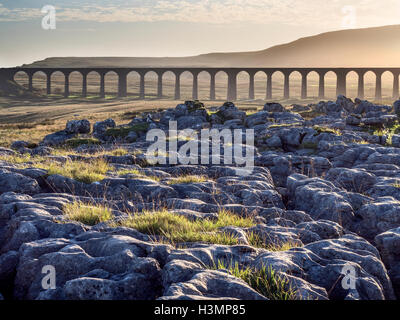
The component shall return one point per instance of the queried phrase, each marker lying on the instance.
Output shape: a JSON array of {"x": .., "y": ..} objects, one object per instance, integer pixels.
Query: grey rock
[
  {"x": 396, "y": 107},
  {"x": 396, "y": 140},
  {"x": 353, "y": 120},
  {"x": 8, "y": 264},
  {"x": 388, "y": 244},
  {"x": 274, "y": 107},
  {"x": 78, "y": 126},
  {"x": 378, "y": 217},
  {"x": 229, "y": 112},
  {"x": 16, "y": 145},
  {"x": 321, "y": 263},
  {"x": 57, "y": 138},
  {"x": 100, "y": 128},
  {"x": 274, "y": 142},
  {"x": 15, "y": 182},
  {"x": 354, "y": 180},
  {"x": 190, "y": 122},
  {"x": 320, "y": 199},
  {"x": 345, "y": 103},
  {"x": 211, "y": 285},
  {"x": 131, "y": 137}
]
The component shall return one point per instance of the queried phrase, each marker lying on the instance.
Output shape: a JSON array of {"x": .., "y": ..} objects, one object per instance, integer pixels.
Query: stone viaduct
[{"x": 341, "y": 74}]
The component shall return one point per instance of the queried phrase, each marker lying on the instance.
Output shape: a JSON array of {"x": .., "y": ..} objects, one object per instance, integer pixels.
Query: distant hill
[{"x": 378, "y": 47}]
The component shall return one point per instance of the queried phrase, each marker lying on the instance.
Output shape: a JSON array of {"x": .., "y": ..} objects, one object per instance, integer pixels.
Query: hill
[{"x": 378, "y": 47}]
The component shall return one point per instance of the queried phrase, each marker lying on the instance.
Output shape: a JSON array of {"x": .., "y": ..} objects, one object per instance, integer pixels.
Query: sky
[{"x": 158, "y": 28}]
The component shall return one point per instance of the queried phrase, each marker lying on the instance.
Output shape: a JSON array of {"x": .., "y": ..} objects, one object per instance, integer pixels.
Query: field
[{"x": 32, "y": 119}]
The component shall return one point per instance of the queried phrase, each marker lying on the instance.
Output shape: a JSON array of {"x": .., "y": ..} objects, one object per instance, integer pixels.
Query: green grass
[
  {"x": 136, "y": 172},
  {"x": 177, "y": 229},
  {"x": 388, "y": 131},
  {"x": 87, "y": 172},
  {"x": 122, "y": 132},
  {"x": 87, "y": 214},
  {"x": 264, "y": 280},
  {"x": 187, "y": 179},
  {"x": 76, "y": 142},
  {"x": 21, "y": 158}
]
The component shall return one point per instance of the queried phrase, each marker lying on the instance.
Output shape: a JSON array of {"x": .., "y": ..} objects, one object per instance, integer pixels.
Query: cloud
[{"x": 292, "y": 12}]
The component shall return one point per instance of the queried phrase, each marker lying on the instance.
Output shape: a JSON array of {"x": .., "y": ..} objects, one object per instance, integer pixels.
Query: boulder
[
  {"x": 57, "y": 138},
  {"x": 388, "y": 244},
  {"x": 229, "y": 112},
  {"x": 211, "y": 285},
  {"x": 274, "y": 107},
  {"x": 15, "y": 182},
  {"x": 78, "y": 126},
  {"x": 345, "y": 103}
]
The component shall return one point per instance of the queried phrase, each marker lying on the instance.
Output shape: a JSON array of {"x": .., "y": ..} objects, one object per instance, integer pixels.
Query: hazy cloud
[{"x": 293, "y": 12}]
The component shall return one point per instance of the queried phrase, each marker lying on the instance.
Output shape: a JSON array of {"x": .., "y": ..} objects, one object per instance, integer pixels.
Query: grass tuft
[
  {"x": 87, "y": 172},
  {"x": 187, "y": 179},
  {"x": 264, "y": 280},
  {"x": 256, "y": 241},
  {"x": 178, "y": 229},
  {"x": 87, "y": 214}
]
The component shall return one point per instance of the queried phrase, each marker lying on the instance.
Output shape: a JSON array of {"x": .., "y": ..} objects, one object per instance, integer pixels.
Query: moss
[
  {"x": 76, "y": 142},
  {"x": 122, "y": 132}
]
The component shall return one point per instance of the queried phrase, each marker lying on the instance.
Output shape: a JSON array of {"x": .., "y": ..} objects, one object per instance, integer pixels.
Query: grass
[
  {"x": 21, "y": 158},
  {"x": 119, "y": 152},
  {"x": 256, "y": 241},
  {"x": 87, "y": 172},
  {"x": 388, "y": 131},
  {"x": 136, "y": 172},
  {"x": 87, "y": 214},
  {"x": 326, "y": 130},
  {"x": 76, "y": 142},
  {"x": 122, "y": 132},
  {"x": 264, "y": 280},
  {"x": 187, "y": 179},
  {"x": 360, "y": 142},
  {"x": 284, "y": 125},
  {"x": 177, "y": 229},
  {"x": 32, "y": 132}
]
